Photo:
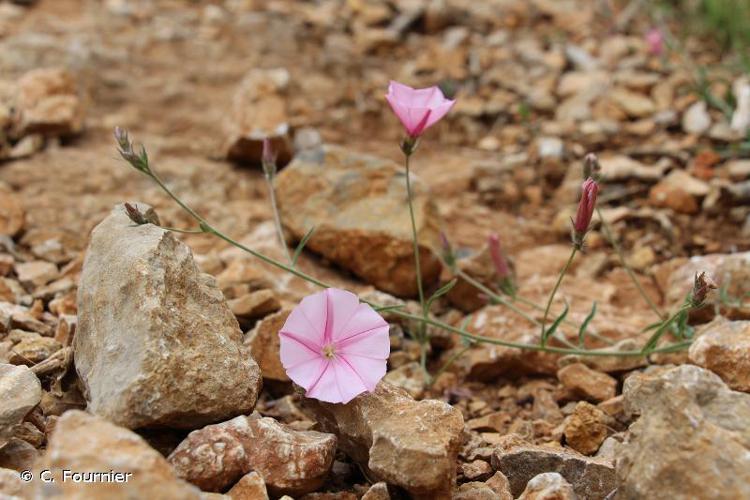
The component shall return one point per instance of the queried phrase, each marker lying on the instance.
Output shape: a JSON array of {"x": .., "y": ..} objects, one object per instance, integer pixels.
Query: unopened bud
[
  {"x": 586, "y": 206},
  {"x": 135, "y": 215},
  {"x": 447, "y": 250},
  {"x": 139, "y": 161},
  {"x": 268, "y": 158},
  {"x": 498, "y": 259}
]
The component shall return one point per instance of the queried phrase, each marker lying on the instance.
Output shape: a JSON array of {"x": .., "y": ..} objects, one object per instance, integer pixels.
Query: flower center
[{"x": 329, "y": 351}]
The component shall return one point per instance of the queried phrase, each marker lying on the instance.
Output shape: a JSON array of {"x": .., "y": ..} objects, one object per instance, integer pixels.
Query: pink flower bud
[
  {"x": 586, "y": 207},
  {"x": 498, "y": 259},
  {"x": 655, "y": 41}
]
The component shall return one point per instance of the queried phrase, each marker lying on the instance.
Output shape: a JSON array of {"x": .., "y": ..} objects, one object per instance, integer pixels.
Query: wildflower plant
[{"x": 335, "y": 345}]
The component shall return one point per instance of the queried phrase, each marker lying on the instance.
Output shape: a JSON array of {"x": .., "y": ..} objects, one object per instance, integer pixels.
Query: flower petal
[
  {"x": 342, "y": 306},
  {"x": 373, "y": 344},
  {"x": 439, "y": 112},
  {"x": 308, "y": 319},
  {"x": 363, "y": 319},
  {"x": 307, "y": 373},
  {"x": 369, "y": 370},
  {"x": 349, "y": 382},
  {"x": 328, "y": 387}
]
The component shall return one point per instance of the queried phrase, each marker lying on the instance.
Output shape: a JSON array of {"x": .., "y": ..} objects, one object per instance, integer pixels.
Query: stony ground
[{"x": 157, "y": 334}]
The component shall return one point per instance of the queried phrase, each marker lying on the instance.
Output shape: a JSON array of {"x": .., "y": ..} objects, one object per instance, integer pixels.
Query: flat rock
[
  {"x": 548, "y": 486},
  {"x": 475, "y": 490},
  {"x": 259, "y": 112},
  {"x": 86, "y": 443},
  {"x": 486, "y": 361},
  {"x": 692, "y": 440},
  {"x": 587, "y": 383},
  {"x": 394, "y": 438},
  {"x": 520, "y": 462},
  {"x": 378, "y": 491},
  {"x": 289, "y": 462},
  {"x": 11, "y": 485},
  {"x": 20, "y": 392},
  {"x": 357, "y": 204},
  {"x": 12, "y": 213},
  {"x": 48, "y": 103},
  {"x": 724, "y": 348},
  {"x": 156, "y": 342}
]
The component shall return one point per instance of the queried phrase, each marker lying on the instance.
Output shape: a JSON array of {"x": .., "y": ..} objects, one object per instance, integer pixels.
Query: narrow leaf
[
  {"x": 389, "y": 308},
  {"x": 553, "y": 327},
  {"x": 585, "y": 324},
  {"x": 440, "y": 292},
  {"x": 301, "y": 245}
]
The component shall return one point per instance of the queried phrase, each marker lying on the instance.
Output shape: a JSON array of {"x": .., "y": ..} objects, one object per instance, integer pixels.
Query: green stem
[
  {"x": 451, "y": 360},
  {"x": 417, "y": 267},
  {"x": 425, "y": 320},
  {"x": 277, "y": 218},
  {"x": 618, "y": 249},
  {"x": 557, "y": 285},
  {"x": 501, "y": 300}
]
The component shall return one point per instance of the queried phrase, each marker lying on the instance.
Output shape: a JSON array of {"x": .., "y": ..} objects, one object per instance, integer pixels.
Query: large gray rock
[
  {"x": 358, "y": 206},
  {"x": 411, "y": 444},
  {"x": 156, "y": 342},
  {"x": 20, "y": 392},
  {"x": 83, "y": 443},
  {"x": 692, "y": 440},
  {"x": 591, "y": 478}
]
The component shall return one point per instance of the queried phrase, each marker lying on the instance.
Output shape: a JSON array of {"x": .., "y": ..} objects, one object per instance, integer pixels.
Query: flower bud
[
  {"x": 586, "y": 207},
  {"x": 591, "y": 167},
  {"x": 498, "y": 259},
  {"x": 447, "y": 250},
  {"x": 268, "y": 159}
]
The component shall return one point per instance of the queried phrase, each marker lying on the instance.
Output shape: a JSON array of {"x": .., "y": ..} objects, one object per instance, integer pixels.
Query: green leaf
[
  {"x": 553, "y": 327},
  {"x": 301, "y": 245},
  {"x": 651, "y": 343},
  {"x": 466, "y": 340},
  {"x": 440, "y": 292},
  {"x": 585, "y": 324}
]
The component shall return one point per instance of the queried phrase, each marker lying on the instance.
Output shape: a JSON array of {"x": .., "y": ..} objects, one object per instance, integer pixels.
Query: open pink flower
[
  {"x": 418, "y": 109},
  {"x": 334, "y": 346}
]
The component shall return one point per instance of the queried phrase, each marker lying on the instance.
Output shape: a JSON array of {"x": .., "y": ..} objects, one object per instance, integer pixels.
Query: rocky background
[{"x": 144, "y": 351}]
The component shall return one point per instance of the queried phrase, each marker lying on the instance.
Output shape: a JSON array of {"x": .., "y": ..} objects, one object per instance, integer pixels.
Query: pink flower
[
  {"x": 655, "y": 41},
  {"x": 586, "y": 206},
  {"x": 498, "y": 259},
  {"x": 334, "y": 346},
  {"x": 418, "y": 109}
]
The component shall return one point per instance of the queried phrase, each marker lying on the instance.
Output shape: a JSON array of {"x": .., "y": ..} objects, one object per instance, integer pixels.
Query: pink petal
[
  {"x": 349, "y": 382},
  {"x": 363, "y": 319},
  {"x": 295, "y": 349},
  {"x": 369, "y": 370},
  {"x": 342, "y": 306},
  {"x": 308, "y": 319},
  {"x": 373, "y": 343},
  {"x": 307, "y": 373},
  {"x": 327, "y": 387},
  {"x": 439, "y": 112}
]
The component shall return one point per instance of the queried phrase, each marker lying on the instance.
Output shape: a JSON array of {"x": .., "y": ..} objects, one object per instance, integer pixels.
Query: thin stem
[
  {"x": 618, "y": 249},
  {"x": 184, "y": 231},
  {"x": 451, "y": 360},
  {"x": 500, "y": 300},
  {"x": 557, "y": 285},
  {"x": 417, "y": 267},
  {"x": 425, "y": 320},
  {"x": 277, "y": 218}
]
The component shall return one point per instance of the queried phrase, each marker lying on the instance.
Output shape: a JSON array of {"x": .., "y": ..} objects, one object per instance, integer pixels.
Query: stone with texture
[
  {"x": 20, "y": 392},
  {"x": 724, "y": 348},
  {"x": 548, "y": 486},
  {"x": 250, "y": 487},
  {"x": 12, "y": 213},
  {"x": 86, "y": 443},
  {"x": 260, "y": 112},
  {"x": 290, "y": 462},
  {"x": 378, "y": 491},
  {"x": 520, "y": 462},
  {"x": 475, "y": 490},
  {"x": 11, "y": 485},
  {"x": 587, "y": 383},
  {"x": 692, "y": 440},
  {"x": 48, "y": 103},
  {"x": 586, "y": 428},
  {"x": 263, "y": 341},
  {"x": 393, "y": 437},
  {"x": 357, "y": 204},
  {"x": 696, "y": 119},
  {"x": 156, "y": 343}
]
